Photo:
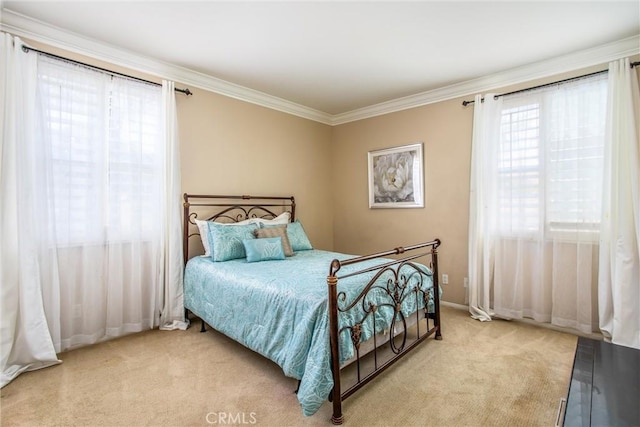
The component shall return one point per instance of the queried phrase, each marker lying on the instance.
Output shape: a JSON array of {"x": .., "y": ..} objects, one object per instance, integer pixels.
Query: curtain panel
[
  {"x": 27, "y": 275},
  {"x": 171, "y": 274},
  {"x": 537, "y": 162},
  {"x": 619, "y": 277},
  {"x": 91, "y": 221},
  {"x": 482, "y": 199}
]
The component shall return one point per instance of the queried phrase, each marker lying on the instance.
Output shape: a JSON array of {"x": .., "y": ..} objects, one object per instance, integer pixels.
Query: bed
[{"x": 322, "y": 316}]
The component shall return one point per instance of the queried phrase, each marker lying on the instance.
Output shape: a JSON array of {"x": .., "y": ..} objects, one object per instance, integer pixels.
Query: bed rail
[{"x": 404, "y": 278}]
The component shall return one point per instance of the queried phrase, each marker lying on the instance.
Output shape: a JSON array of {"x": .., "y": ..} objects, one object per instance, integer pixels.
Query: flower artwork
[{"x": 395, "y": 177}]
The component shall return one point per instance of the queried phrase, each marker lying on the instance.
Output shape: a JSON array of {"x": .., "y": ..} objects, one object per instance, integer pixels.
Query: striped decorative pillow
[{"x": 276, "y": 231}]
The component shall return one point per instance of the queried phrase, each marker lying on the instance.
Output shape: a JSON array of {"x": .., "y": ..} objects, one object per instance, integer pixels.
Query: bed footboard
[{"x": 396, "y": 283}]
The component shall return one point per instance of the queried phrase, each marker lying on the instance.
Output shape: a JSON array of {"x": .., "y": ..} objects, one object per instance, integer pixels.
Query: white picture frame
[{"x": 396, "y": 177}]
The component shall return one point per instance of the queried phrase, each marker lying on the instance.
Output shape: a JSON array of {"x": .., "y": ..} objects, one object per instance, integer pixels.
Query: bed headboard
[{"x": 229, "y": 209}]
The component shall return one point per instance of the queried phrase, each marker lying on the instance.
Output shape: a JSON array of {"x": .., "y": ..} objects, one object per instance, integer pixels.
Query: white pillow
[
  {"x": 203, "y": 229},
  {"x": 204, "y": 235},
  {"x": 283, "y": 218}
]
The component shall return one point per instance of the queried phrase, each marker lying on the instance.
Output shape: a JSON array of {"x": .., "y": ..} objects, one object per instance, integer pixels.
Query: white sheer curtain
[
  {"x": 541, "y": 197},
  {"x": 93, "y": 184},
  {"x": 25, "y": 271},
  {"x": 172, "y": 314},
  {"x": 482, "y": 200},
  {"x": 619, "y": 280},
  {"x": 104, "y": 141}
]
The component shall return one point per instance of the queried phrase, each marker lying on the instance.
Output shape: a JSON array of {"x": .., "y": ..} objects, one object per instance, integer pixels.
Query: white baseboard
[
  {"x": 593, "y": 335},
  {"x": 455, "y": 305}
]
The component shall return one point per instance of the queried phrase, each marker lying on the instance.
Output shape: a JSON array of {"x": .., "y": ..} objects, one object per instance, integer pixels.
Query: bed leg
[
  {"x": 202, "y": 329},
  {"x": 336, "y": 418},
  {"x": 436, "y": 288},
  {"x": 336, "y": 421},
  {"x": 336, "y": 393}
]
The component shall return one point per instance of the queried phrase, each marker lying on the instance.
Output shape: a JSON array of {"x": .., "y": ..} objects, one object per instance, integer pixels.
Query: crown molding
[
  {"x": 38, "y": 31},
  {"x": 29, "y": 28},
  {"x": 575, "y": 61}
]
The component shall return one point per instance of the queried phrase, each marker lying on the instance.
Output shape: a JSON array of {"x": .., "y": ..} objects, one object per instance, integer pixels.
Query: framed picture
[{"x": 396, "y": 177}]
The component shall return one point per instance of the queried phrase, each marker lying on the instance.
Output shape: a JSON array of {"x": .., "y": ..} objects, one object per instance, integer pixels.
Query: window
[
  {"x": 104, "y": 137},
  {"x": 550, "y": 159}
]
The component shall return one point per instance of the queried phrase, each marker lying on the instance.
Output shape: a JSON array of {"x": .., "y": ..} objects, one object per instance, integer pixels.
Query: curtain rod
[
  {"x": 465, "y": 103},
  {"x": 73, "y": 61}
]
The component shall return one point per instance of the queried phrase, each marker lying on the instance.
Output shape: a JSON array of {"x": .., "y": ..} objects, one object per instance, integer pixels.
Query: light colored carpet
[{"x": 481, "y": 374}]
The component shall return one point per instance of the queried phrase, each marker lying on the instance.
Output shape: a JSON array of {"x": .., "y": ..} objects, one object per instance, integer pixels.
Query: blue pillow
[
  {"x": 268, "y": 248},
  {"x": 297, "y": 237},
  {"x": 225, "y": 242}
]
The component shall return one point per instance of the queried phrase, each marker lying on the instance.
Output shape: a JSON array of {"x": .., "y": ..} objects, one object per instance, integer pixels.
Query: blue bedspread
[{"x": 280, "y": 310}]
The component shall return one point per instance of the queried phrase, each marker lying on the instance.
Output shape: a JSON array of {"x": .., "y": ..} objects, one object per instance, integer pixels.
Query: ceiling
[{"x": 335, "y": 56}]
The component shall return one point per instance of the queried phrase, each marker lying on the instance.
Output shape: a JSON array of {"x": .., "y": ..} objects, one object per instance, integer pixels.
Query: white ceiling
[{"x": 335, "y": 56}]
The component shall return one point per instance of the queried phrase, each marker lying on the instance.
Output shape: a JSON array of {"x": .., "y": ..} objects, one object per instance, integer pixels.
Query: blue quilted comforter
[{"x": 280, "y": 310}]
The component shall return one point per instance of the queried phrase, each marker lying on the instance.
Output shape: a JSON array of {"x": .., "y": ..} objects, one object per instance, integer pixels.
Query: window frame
[{"x": 546, "y": 223}]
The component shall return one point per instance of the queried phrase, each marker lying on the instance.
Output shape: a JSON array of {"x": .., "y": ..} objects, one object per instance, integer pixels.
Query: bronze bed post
[
  {"x": 436, "y": 290},
  {"x": 336, "y": 392},
  {"x": 185, "y": 228}
]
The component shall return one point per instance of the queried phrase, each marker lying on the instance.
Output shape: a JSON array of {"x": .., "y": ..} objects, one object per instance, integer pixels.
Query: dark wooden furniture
[
  {"x": 605, "y": 385},
  {"x": 401, "y": 338}
]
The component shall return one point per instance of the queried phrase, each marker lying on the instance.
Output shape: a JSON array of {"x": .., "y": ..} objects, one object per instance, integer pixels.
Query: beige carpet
[{"x": 481, "y": 374}]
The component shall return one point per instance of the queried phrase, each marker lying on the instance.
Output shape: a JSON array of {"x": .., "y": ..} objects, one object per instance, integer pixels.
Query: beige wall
[
  {"x": 234, "y": 147},
  {"x": 445, "y": 128}
]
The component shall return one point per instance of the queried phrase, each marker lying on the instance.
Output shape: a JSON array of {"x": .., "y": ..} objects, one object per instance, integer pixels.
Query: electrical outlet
[{"x": 445, "y": 279}]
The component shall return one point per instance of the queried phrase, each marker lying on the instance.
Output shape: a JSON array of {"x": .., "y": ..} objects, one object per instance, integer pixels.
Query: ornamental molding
[{"x": 38, "y": 31}]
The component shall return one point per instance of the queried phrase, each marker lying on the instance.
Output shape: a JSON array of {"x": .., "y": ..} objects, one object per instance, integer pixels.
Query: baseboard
[
  {"x": 593, "y": 335},
  {"x": 455, "y": 305}
]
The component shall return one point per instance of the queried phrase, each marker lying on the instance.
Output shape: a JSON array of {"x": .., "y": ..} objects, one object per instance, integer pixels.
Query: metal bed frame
[{"x": 400, "y": 274}]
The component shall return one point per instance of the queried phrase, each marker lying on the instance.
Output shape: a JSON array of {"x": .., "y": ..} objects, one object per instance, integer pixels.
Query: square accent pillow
[
  {"x": 203, "y": 229},
  {"x": 276, "y": 231},
  {"x": 266, "y": 249},
  {"x": 297, "y": 237},
  {"x": 225, "y": 242}
]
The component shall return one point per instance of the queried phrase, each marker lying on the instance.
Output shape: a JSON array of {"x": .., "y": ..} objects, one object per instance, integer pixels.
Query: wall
[
  {"x": 233, "y": 147},
  {"x": 445, "y": 128}
]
